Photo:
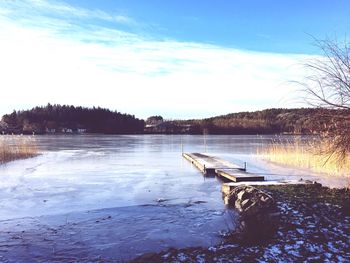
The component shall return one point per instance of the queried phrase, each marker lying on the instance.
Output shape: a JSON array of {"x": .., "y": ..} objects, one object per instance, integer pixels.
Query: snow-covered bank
[{"x": 314, "y": 227}]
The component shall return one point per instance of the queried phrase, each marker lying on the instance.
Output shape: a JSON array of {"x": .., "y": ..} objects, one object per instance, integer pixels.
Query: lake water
[{"x": 131, "y": 193}]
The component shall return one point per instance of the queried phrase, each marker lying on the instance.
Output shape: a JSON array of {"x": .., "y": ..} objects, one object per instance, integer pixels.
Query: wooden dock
[{"x": 210, "y": 165}]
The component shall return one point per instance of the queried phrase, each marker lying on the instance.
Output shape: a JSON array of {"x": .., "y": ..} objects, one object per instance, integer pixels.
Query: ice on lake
[{"x": 127, "y": 189}]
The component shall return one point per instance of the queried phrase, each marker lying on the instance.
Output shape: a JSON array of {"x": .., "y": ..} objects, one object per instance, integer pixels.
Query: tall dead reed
[
  {"x": 315, "y": 155},
  {"x": 13, "y": 147}
]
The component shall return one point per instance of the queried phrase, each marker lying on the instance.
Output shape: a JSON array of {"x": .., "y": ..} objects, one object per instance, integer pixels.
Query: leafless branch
[{"x": 327, "y": 85}]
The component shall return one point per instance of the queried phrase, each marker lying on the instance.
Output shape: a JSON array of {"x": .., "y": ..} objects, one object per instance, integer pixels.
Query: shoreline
[
  {"x": 314, "y": 226},
  {"x": 19, "y": 158}
]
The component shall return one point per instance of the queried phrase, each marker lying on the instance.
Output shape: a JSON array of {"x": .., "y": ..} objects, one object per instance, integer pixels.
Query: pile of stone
[{"x": 258, "y": 216}]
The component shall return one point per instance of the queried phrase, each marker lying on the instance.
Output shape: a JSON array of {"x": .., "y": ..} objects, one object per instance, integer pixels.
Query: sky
[{"x": 179, "y": 59}]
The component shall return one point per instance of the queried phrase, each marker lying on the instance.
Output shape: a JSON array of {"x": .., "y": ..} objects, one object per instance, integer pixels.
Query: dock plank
[
  {"x": 208, "y": 164},
  {"x": 239, "y": 176},
  {"x": 213, "y": 165}
]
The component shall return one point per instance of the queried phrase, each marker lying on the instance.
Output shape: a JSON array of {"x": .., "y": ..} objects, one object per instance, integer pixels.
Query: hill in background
[
  {"x": 270, "y": 121},
  {"x": 69, "y": 119}
]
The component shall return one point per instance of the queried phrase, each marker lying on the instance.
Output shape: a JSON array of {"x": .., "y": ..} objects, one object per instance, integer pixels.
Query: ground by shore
[{"x": 314, "y": 227}]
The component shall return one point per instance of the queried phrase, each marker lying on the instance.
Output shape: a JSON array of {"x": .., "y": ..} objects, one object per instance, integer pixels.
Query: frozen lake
[{"x": 130, "y": 193}]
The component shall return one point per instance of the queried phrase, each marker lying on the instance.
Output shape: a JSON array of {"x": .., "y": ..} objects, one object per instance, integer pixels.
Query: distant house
[
  {"x": 154, "y": 121},
  {"x": 48, "y": 130},
  {"x": 67, "y": 130},
  {"x": 3, "y": 127},
  {"x": 81, "y": 130}
]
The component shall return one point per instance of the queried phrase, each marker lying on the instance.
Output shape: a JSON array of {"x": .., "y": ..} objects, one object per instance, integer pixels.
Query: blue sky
[
  {"x": 161, "y": 57},
  {"x": 269, "y": 25}
]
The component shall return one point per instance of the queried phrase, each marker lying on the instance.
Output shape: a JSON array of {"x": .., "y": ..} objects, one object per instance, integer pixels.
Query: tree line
[
  {"x": 64, "y": 118},
  {"x": 70, "y": 119},
  {"x": 269, "y": 121}
]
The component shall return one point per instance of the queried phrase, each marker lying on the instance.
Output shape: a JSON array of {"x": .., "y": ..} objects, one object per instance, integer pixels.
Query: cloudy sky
[{"x": 176, "y": 58}]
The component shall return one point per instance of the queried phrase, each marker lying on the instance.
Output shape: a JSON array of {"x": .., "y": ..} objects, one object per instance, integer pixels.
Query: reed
[
  {"x": 314, "y": 155},
  {"x": 17, "y": 147}
]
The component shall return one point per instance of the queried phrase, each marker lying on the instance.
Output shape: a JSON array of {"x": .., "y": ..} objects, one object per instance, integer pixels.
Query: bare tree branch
[{"x": 327, "y": 85}]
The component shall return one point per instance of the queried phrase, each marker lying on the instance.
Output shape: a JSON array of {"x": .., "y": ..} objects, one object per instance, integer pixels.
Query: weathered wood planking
[
  {"x": 215, "y": 166},
  {"x": 196, "y": 162},
  {"x": 208, "y": 164},
  {"x": 238, "y": 175}
]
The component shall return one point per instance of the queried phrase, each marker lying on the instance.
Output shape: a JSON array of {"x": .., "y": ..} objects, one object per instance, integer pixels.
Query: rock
[
  {"x": 243, "y": 194},
  {"x": 225, "y": 189},
  {"x": 249, "y": 200},
  {"x": 238, "y": 205},
  {"x": 245, "y": 203},
  {"x": 258, "y": 216},
  {"x": 161, "y": 200},
  {"x": 345, "y": 208},
  {"x": 148, "y": 257},
  {"x": 226, "y": 199}
]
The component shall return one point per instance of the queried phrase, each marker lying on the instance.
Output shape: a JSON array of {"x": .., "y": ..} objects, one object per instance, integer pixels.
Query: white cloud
[
  {"x": 27, "y": 8},
  {"x": 124, "y": 71}
]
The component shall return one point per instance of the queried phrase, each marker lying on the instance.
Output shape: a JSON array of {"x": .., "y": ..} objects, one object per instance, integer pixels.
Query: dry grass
[
  {"x": 17, "y": 147},
  {"x": 312, "y": 155}
]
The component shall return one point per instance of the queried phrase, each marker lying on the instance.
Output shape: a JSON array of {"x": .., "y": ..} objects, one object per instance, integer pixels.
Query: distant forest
[
  {"x": 70, "y": 119},
  {"x": 270, "y": 121},
  {"x": 53, "y": 119}
]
